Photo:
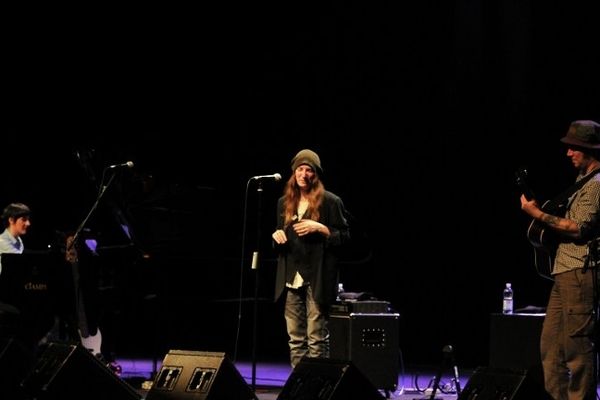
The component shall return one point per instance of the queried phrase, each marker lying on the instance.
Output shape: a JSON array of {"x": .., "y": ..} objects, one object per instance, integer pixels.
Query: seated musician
[
  {"x": 16, "y": 221},
  {"x": 15, "y": 217}
]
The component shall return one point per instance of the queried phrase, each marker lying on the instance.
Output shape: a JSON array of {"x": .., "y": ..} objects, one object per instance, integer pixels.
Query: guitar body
[
  {"x": 89, "y": 341},
  {"x": 92, "y": 342},
  {"x": 544, "y": 244},
  {"x": 544, "y": 241}
]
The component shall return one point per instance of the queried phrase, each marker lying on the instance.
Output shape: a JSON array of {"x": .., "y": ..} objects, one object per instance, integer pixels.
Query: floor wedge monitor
[
  {"x": 199, "y": 375},
  {"x": 328, "y": 379},
  {"x": 68, "y": 371},
  {"x": 488, "y": 383}
]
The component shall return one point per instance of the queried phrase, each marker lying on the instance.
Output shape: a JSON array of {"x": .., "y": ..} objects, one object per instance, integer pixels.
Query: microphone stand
[
  {"x": 456, "y": 376},
  {"x": 448, "y": 360},
  {"x": 255, "y": 254},
  {"x": 85, "y": 220},
  {"x": 82, "y": 323}
]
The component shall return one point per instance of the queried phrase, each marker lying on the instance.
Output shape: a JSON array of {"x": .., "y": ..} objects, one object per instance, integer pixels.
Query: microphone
[
  {"x": 449, "y": 354},
  {"x": 276, "y": 177},
  {"x": 128, "y": 164}
]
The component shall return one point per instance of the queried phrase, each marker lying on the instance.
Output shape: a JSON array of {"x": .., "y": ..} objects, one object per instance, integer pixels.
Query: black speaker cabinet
[
  {"x": 66, "y": 371},
  {"x": 515, "y": 340},
  {"x": 515, "y": 343},
  {"x": 489, "y": 383},
  {"x": 199, "y": 375},
  {"x": 327, "y": 379},
  {"x": 370, "y": 341}
]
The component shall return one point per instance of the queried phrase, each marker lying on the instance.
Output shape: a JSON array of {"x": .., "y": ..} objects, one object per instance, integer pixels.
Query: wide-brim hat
[{"x": 583, "y": 133}]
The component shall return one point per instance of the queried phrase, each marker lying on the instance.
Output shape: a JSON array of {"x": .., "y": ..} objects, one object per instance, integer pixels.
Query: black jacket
[{"x": 314, "y": 255}]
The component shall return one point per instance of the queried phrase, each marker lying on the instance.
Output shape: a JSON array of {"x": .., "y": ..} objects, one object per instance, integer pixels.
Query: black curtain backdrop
[{"x": 421, "y": 114}]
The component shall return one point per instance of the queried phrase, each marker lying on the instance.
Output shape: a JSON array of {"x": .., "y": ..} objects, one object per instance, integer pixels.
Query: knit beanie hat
[{"x": 307, "y": 157}]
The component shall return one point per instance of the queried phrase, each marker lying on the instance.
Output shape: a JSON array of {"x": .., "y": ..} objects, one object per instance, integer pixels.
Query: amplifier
[{"x": 370, "y": 341}]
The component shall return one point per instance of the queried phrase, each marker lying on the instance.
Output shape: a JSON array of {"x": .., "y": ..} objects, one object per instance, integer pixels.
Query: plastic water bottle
[
  {"x": 507, "y": 302},
  {"x": 340, "y": 290}
]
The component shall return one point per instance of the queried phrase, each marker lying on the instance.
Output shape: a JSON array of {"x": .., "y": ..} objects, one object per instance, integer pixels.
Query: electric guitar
[
  {"x": 91, "y": 342},
  {"x": 543, "y": 239}
]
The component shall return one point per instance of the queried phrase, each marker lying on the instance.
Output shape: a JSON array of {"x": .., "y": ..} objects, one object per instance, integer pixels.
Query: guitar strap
[{"x": 562, "y": 198}]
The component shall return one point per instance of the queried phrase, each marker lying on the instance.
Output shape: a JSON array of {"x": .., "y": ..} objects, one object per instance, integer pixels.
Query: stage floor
[{"x": 270, "y": 377}]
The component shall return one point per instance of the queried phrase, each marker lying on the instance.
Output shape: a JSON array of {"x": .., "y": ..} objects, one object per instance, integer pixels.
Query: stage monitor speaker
[
  {"x": 67, "y": 371},
  {"x": 327, "y": 379},
  {"x": 199, "y": 375},
  {"x": 16, "y": 360},
  {"x": 488, "y": 383}
]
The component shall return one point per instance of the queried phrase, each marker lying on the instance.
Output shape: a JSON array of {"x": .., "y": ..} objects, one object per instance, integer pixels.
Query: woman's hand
[
  {"x": 279, "y": 236},
  {"x": 306, "y": 226}
]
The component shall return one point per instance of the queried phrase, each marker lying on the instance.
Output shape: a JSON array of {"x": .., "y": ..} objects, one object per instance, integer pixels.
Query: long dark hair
[{"x": 291, "y": 198}]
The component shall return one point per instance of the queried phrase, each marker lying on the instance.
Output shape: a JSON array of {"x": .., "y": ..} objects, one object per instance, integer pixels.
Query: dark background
[{"x": 421, "y": 113}]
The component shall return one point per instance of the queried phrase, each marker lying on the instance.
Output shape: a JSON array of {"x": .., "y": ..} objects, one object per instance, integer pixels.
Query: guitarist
[{"x": 568, "y": 334}]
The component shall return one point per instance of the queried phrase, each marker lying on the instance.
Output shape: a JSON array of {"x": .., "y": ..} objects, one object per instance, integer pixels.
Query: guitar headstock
[
  {"x": 70, "y": 250},
  {"x": 521, "y": 179}
]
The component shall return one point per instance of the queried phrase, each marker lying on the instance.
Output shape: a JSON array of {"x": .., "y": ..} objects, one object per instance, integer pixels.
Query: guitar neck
[
  {"x": 522, "y": 183},
  {"x": 550, "y": 206}
]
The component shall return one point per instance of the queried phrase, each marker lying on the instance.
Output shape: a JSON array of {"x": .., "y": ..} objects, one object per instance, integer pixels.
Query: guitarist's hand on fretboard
[{"x": 531, "y": 207}]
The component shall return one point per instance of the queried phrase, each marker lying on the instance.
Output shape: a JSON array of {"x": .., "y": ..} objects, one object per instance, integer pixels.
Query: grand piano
[{"x": 151, "y": 220}]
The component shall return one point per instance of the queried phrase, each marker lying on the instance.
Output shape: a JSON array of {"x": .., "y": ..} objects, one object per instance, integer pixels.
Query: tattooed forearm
[
  {"x": 551, "y": 220},
  {"x": 562, "y": 225}
]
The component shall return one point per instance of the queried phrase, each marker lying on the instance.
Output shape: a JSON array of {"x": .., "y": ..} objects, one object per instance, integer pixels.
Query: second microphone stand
[
  {"x": 255, "y": 255},
  {"x": 447, "y": 361},
  {"x": 101, "y": 192}
]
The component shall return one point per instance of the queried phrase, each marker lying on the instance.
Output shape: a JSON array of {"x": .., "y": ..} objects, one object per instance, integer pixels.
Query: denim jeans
[{"x": 306, "y": 323}]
